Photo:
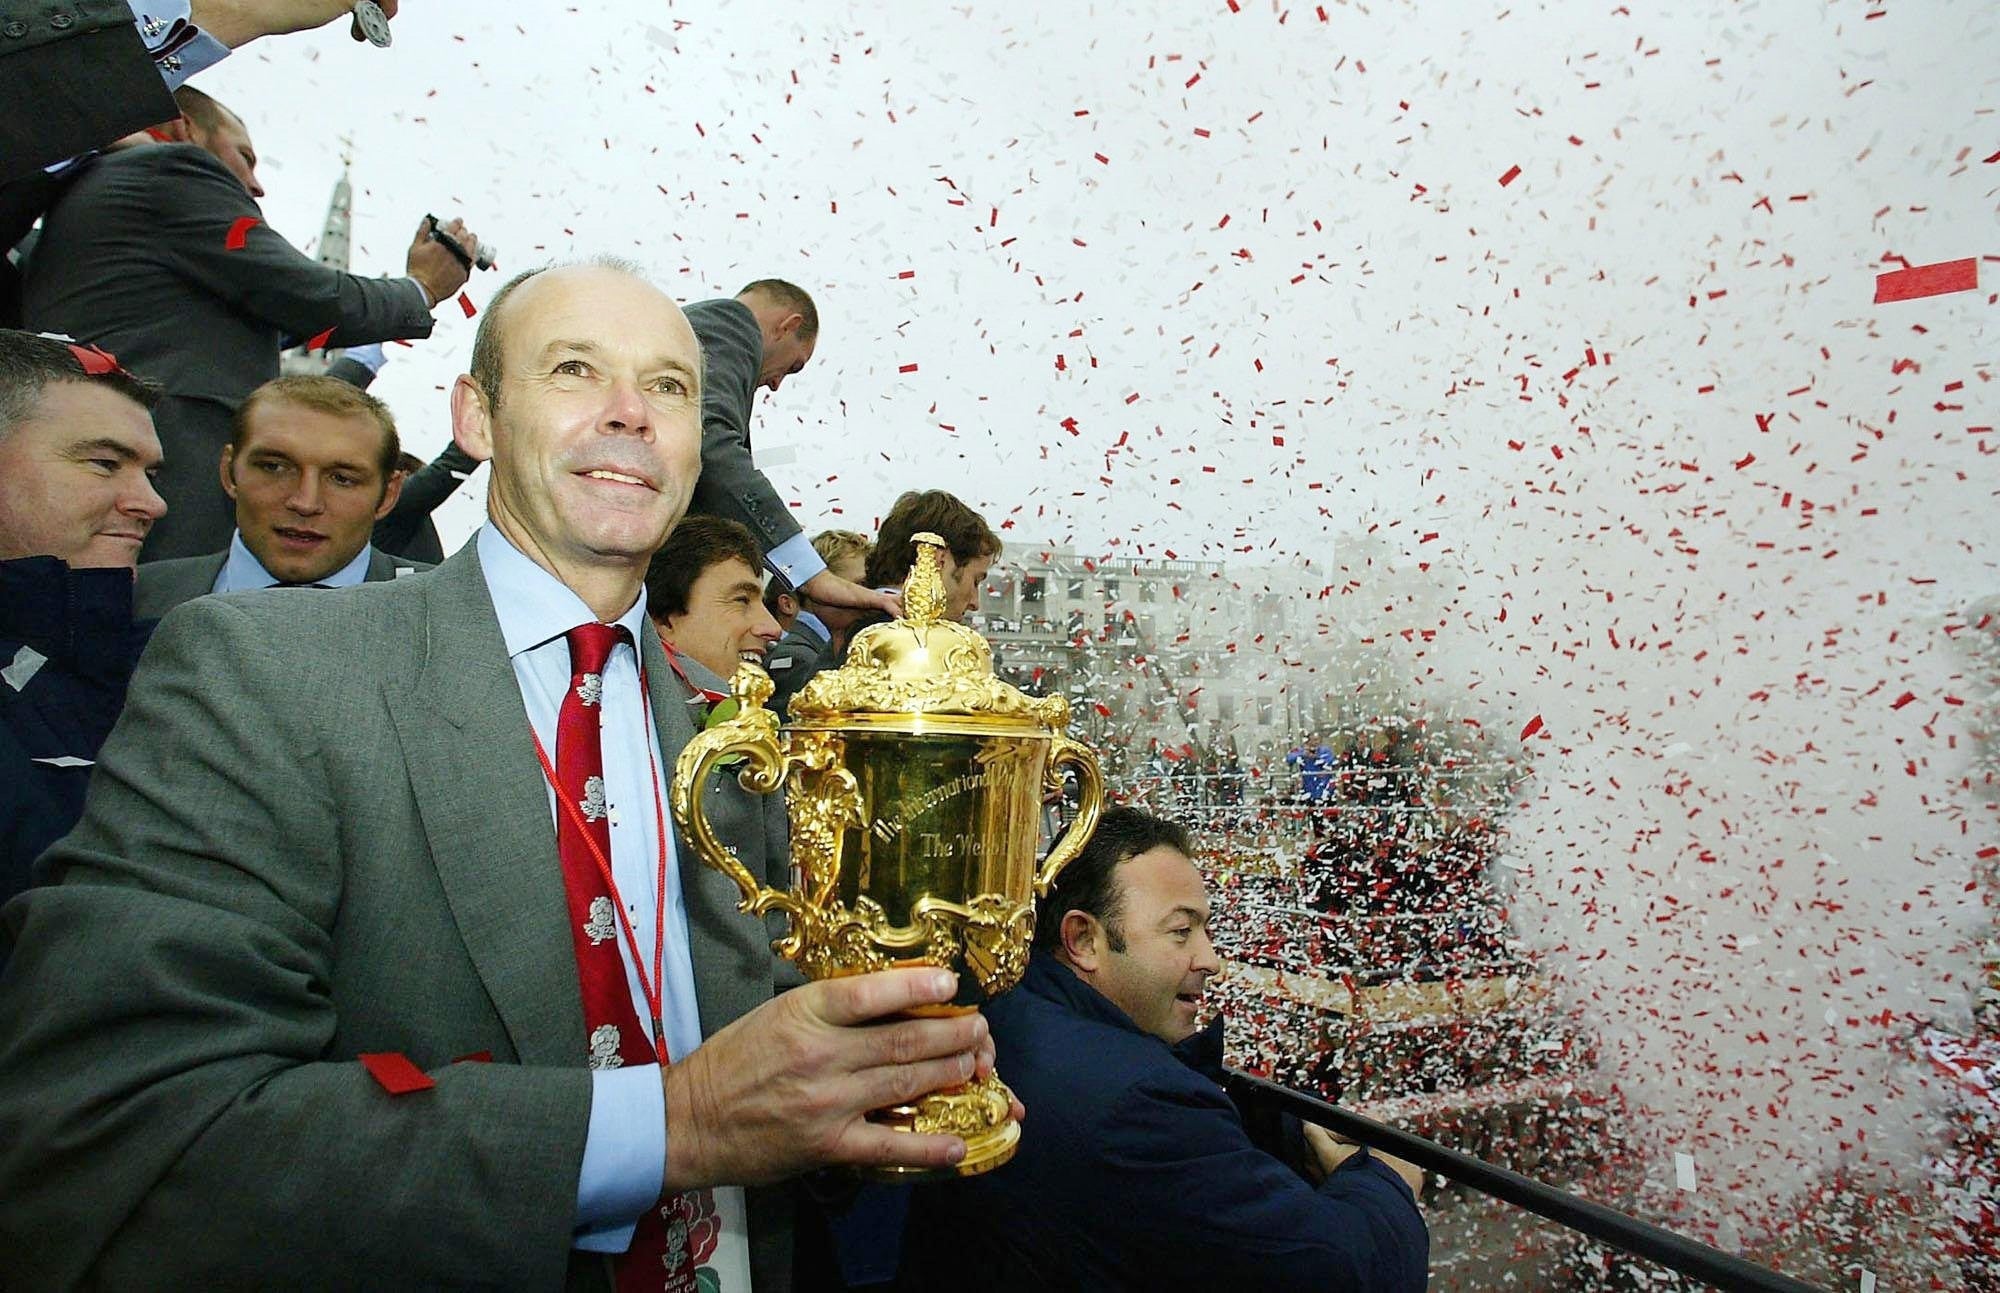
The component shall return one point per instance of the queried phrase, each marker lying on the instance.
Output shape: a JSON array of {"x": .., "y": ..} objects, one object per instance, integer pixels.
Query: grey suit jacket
[
  {"x": 792, "y": 661},
  {"x": 732, "y": 350},
  {"x": 290, "y": 856},
  {"x": 163, "y": 585},
  {"x": 136, "y": 258}
]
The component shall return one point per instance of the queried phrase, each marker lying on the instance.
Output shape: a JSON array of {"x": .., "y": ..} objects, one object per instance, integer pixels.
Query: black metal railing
[{"x": 1606, "y": 1225}]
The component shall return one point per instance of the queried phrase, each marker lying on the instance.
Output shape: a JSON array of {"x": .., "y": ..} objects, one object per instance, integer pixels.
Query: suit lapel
[
  {"x": 484, "y": 805},
  {"x": 709, "y": 896}
]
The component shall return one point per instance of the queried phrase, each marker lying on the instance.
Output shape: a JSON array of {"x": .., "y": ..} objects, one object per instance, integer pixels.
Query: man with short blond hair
[
  {"x": 818, "y": 633},
  {"x": 311, "y": 465}
]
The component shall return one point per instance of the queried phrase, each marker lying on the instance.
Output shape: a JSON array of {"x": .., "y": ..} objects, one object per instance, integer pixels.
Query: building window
[
  {"x": 1147, "y": 591},
  {"x": 1033, "y": 588},
  {"x": 1076, "y": 590}
]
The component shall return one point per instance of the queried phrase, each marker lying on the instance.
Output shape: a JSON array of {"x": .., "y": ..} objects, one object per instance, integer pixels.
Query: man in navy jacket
[
  {"x": 1134, "y": 1169},
  {"x": 77, "y": 453}
]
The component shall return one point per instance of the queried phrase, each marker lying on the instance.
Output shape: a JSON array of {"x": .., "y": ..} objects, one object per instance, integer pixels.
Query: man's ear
[
  {"x": 471, "y": 420},
  {"x": 228, "y": 480},
  {"x": 789, "y": 324},
  {"x": 391, "y": 492},
  {"x": 1082, "y": 939}
]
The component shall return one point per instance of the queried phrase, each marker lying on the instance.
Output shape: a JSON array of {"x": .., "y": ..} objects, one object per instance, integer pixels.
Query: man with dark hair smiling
[
  {"x": 311, "y": 465},
  {"x": 77, "y": 457},
  {"x": 1100, "y": 1040},
  {"x": 703, "y": 592}
]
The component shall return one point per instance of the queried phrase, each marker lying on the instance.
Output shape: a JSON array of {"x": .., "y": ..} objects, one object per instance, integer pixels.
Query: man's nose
[
  {"x": 143, "y": 500},
  {"x": 307, "y": 499},
  {"x": 767, "y": 627},
  {"x": 625, "y": 408}
]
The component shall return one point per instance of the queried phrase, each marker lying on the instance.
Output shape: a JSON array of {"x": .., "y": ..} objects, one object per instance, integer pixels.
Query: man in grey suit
[
  {"x": 312, "y": 463},
  {"x": 320, "y": 864},
  {"x": 160, "y": 255},
  {"x": 753, "y": 341}
]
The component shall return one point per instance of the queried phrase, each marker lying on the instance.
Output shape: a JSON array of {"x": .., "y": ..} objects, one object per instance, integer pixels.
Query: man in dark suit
[
  {"x": 348, "y": 844},
  {"x": 312, "y": 464},
  {"x": 77, "y": 74},
  {"x": 160, "y": 254},
  {"x": 1120, "y": 958},
  {"x": 753, "y": 341}
]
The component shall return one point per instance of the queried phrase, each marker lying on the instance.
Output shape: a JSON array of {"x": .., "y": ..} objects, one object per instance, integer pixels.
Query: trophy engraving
[{"x": 914, "y": 783}]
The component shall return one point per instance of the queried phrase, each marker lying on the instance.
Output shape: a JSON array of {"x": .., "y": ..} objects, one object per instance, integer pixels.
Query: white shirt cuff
[
  {"x": 794, "y": 560},
  {"x": 624, "y": 1156},
  {"x": 179, "y": 48}
]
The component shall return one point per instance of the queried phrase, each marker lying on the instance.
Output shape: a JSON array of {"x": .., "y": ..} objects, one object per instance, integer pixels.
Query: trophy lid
[{"x": 922, "y": 664}]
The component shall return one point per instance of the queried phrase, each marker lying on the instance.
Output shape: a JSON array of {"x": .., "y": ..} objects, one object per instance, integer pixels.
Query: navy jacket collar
[
  {"x": 81, "y": 619},
  {"x": 1049, "y": 978}
]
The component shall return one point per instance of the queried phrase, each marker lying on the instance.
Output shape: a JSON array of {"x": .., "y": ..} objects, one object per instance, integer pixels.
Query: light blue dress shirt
[
  {"x": 816, "y": 624},
  {"x": 625, "y": 1151},
  {"x": 795, "y": 560},
  {"x": 242, "y": 570}
]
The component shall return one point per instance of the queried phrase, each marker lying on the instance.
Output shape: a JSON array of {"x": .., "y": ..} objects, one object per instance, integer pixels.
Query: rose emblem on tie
[
  {"x": 593, "y": 799},
  {"x": 603, "y": 922},
  {"x": 591, "y": 689},
  {"x": 604, "y": 1047}
]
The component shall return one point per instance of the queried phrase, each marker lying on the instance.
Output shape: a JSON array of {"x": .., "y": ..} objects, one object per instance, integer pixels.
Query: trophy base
[{"x": 976, "y": 1112}]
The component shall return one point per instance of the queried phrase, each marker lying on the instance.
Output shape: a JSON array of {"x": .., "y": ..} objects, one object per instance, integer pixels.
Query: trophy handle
[
  {"x": 1090, "y": 798},
  {"x": 753, "y": 735}
]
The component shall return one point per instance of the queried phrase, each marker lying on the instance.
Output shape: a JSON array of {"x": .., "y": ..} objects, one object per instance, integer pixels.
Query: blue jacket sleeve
[{"x": 1225, "y": 1214}]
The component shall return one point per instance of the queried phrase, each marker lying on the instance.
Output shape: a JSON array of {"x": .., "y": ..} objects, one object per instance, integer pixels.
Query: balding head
[{"x": 586, "y": 395}]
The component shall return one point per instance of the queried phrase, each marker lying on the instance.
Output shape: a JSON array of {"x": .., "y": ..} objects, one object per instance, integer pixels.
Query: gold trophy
[{"x": 916, "y": 781}]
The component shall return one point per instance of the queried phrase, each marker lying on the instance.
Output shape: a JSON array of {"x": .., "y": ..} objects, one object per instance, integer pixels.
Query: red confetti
[
  {"x": 395, "y": 1072},
  {"x": 1513, "y": 173},
  {"x": 476, "y": 1057},
  {"x": 1534, "y": 726},
  {"x": 465, "y": 304},
  {"x": 319, "y": 342},
  {"x": 1903, "y": 700},
  {"x": 239, "y": 232},
  {"x": 1927, "y": 280},
  {"x": 907, "y": 368}
]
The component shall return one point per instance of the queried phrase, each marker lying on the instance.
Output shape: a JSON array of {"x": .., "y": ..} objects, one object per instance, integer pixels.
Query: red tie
[{"x": 678, "y": 1231}]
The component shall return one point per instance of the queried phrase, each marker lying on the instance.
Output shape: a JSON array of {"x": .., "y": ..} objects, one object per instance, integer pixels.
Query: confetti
[
  {"x": 1508, "y": 176},
  {"x": 395, "y": 1073},
  {"x": 1927, "y": 280},
  {"x": 239, "y": 232}
]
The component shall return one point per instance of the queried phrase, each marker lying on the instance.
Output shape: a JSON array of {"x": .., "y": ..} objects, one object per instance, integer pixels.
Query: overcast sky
[{"x": 1266, "y": 285}]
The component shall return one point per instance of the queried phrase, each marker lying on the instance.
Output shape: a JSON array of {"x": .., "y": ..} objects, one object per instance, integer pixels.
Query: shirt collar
[
  {"x": 814, "y": 624},
  {"x": 533, "y": 606},
  {"x": 242, "y": 569}
]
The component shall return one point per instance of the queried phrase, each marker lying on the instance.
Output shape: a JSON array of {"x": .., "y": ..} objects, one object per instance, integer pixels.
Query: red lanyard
[
  {"x": 674, "y": 663},
  {"x": 655, "y": 989}
]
